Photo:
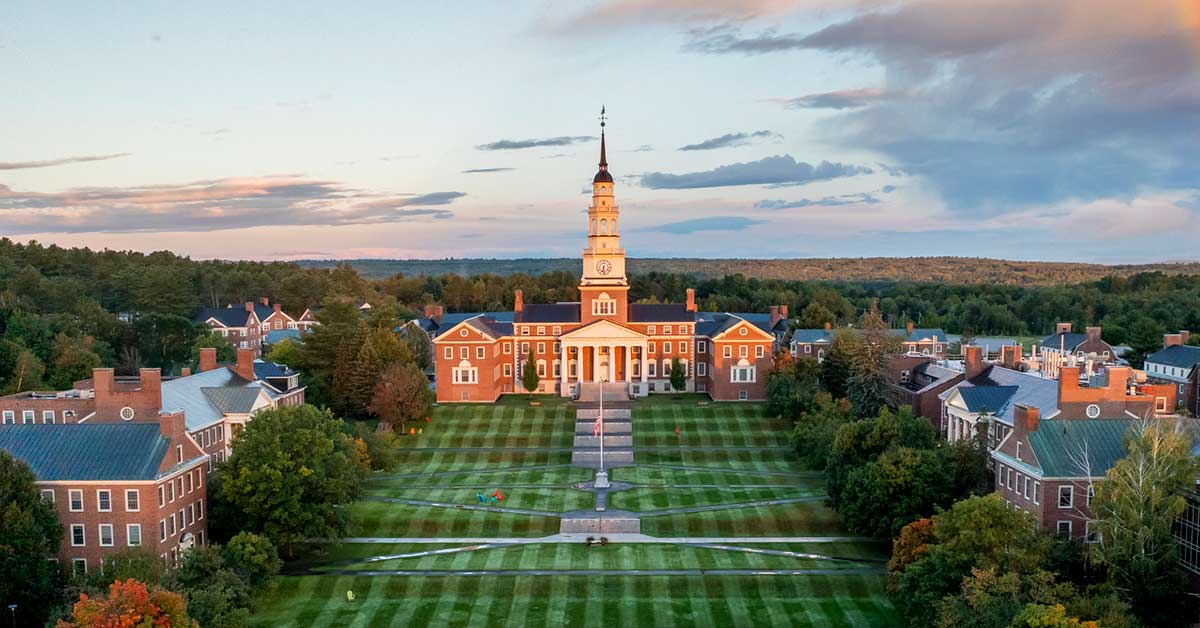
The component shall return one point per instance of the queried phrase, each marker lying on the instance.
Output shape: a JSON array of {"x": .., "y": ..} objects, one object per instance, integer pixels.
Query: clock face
[{"x": 604, "y": 267}]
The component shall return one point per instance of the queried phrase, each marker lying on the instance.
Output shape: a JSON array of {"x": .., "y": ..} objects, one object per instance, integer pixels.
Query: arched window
[
  {"x": 464, "y": 373},
  {"x": 603, "y": 227},
  {"x": 593, "y": 226}
]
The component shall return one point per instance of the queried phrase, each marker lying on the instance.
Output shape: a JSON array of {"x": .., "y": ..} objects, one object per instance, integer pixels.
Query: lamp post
[
  {"x": 12, "y": 610},
  {"x": 601, "y": 475}
]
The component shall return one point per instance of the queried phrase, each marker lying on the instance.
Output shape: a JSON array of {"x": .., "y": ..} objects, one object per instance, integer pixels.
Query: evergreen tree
[
  {"x": 678, "y": 376},
  {"x": 529, "y": 376},
  {"x": 29, "y": 537}
]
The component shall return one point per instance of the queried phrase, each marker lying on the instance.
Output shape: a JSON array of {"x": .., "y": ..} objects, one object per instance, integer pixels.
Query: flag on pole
[{"x": 596, "y": 427}]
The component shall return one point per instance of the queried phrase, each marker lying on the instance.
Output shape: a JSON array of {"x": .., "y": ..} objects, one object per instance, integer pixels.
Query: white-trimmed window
[
  {"x": 162, "y": 530},
  {"x": 464, "y": 353},
  {"x": 524, "y": 348},
  {"x": 1064, "y": 528},
  {"x": 701, "y": 346},
  {"x": 200, "y": 509},
  {"x": 1091, "y": 492},
  {"x": 556, "y": 330},
  {"x": 448, "y": 353},
  {"x": 1089, "y": 534},
  {"x": 79, "y": 567},
  {"x": 604, "y": 306},
  {"x": 666, "y": 347},
  {"x": 1037, "y": 488},
  {"x": 48, "y": 417},
  {"x": 743, "y": 373},
  {"x": 48, "y": 495},
  {"x": 702, "y": 369},
  {"x": 743, "y": 395},
  {"x": 651, "y": 329},
  {"x": 508, "y": 369},
  {"x": 171, "y": 491},
  {"x": 76, "y": 499},
  {"x": 506, "y": 348},
  {"x": 666, "y": 330},
  {"x": 106, "y": 535},
  {"x": 27, "y": 416},
  {"x": 727, "y": 351},
  {"x": 464, "y": 373},
  {"x": 541, "y": 348},
  {"x": 191, "y": 482},
  {"x": 133, "y": 502},
  {"x": 541, "y": 368},
  {"x": 759, "y": 351},
  {"x": 9, "y": 417},
  {"x": 651, "y": 366},
  {"x": 161, "y": 493},
  {"x": 78, "y": 536},
  {"x": 650, "y": 347},
  {"x": 171, "y": 520},
  {"x": 808, "y": 348},
  {"x": 683, "y": 347},
  {"x": 1025, "y": 492},
  {"x": 743, "y": 351},
  {"x": 1066, "y": 496},
  {"x": 556, "y": 369},
  {"x": 541, "y": 330},
  {"x": 480, "y": 353}
]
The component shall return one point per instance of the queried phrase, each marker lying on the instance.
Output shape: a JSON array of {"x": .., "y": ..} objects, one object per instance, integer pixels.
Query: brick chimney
[
  {"x": 909, "y": 327},
  {"x": 1025, "y": 419},
  {"x": 1010, "y": 357},
  {"x": 172, "y": 425},
  {"x": 828, "y": 327},
  {"x": 691, "y": 299},
  {"x": 973, "y": 358},
  {"x": 249, "y": 306},
  {"x": 774, "y": 309},
  {"x": 208, "y": 359},
  {"x": 264, "y": 300},
  {"x": 434, "y": 313},
  {"x": 1068, "y": 382},
  {"x": 245, "y": 364},
  {"x": 1093, "y": 334},
  {"x": 278, "y": 308},
  {"x": 783, "y": 311},
  {"x": 1062, "y": 328},
  {"x": 1184, "y": 335},
  {"x": 519, "y": 302},
  {"x": 185, "y": 371},
  {"x": 1170, "y": 340}
]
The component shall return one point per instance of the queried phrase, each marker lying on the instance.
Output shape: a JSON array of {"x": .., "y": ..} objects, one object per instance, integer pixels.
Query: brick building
[
  {"x": 603, "y": 337},
  {"x": 1063, "y": 344},
  {"x": 1177, "y": 364},
  {"x": 216, "y": 401},
  {"x": 117, "y": 485},
  {"x": 917, "y": 381}
]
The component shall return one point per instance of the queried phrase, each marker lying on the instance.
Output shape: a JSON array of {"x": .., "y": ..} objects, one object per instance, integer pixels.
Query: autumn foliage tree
[
  {"x": 130, "y": 604},
  {"x": 401, "y": 395}
]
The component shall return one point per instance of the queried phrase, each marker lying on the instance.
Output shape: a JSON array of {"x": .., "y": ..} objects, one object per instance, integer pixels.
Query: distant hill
[{"x": 956, "y": 270}]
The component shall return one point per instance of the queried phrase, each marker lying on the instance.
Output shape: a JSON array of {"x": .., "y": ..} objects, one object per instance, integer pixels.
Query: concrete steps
[
  {"x": 618, "y": 438},
  {"x": 609, "y": 522}
]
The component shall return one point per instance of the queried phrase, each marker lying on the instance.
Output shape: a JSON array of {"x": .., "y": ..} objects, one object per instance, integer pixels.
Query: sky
[{"x": 1018, "y": 129}]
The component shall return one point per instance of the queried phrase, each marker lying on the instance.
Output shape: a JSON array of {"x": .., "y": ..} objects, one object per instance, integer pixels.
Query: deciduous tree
[
  {"x": 130, "y": 604},
  {"x": 29, "y": 537},
  {"x": 290, "y": 469},
  {"x": 401, "y": 395}
]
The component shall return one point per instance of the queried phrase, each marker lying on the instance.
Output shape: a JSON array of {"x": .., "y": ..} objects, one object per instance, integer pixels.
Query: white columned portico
[
  {"x": 563, "y": 366},
  {"x": 612, "y": 363}
]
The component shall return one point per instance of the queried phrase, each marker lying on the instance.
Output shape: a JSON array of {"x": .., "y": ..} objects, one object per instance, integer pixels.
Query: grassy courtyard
[{"x": 706, "y": 471}]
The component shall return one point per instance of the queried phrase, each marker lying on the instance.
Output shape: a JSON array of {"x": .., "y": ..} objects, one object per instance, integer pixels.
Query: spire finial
[{"x": 603, "y": 157}]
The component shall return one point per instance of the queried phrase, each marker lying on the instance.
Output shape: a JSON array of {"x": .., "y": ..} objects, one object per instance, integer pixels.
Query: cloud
[
  {"x": 213, "y": 205},
  {"x": 220, "y": 131},
  {"x": 713, "y": 223},
  {"x": 483, "y": 170},
  {"x": 776, "y": 170},
  {"x": 1023, "y": 103},
  {"x": 24, "y": 165},
  {"x": 862, "y": 198},
  {"x": 564, "y": 140},
  {"x": 610, "y": 13},
  {"x": 842, "y": 99},
  {"x": 644, "y": 148},
  {"x": 728, "y": 140}
]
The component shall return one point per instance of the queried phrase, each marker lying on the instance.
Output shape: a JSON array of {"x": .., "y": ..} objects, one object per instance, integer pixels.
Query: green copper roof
[
  {"x": 87, "y": 451},
  {"x": 1062, "y": 445}
]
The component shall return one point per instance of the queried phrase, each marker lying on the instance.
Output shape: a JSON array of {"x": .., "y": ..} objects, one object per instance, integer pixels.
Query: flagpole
[{"x": 601, "y": 475}]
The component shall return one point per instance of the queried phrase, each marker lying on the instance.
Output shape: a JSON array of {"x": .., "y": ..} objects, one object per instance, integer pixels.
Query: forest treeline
[
  {"x": 955, "y": 270},
  {"x": 65, "y": 311}
]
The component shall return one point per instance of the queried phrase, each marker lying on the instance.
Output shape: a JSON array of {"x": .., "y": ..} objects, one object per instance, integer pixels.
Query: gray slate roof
[
  {"x": 279, "y": 335},
  {"x": 1065, "y": 340},
  {"x": 991, "y": 398},
  {"x": 659, "y": 313},
  {"x": 1179, "y": 356},
  {"x": 232, "y": 400},
  {"x": 87, "y": 451},
  {"x": 1031, "y": 390},
  {"x": 551, "y": 313},
  {"x": 712, "y": 323},
  {"x": 187, "y": 394},
  {"x": 813, "y": 336},
  {"x": 1059, "y": 444},
  {"x": 228, "y": 316},
  {"x": 491, "y": 326},
  {"x": 918, "y": 334},
  {"x": 264, "y": 369}
]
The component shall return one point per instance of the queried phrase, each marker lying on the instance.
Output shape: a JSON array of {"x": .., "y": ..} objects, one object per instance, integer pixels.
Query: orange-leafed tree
[
  {"x": 401, "y": 395},
  {"x": 130, "y": 604}
]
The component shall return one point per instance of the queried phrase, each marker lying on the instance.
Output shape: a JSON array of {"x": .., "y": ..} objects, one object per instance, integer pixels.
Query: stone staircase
[{"x": 618, "y": 436}]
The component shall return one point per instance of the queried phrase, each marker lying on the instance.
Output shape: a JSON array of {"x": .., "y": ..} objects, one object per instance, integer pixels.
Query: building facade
[{"x": 603, "y": 338}]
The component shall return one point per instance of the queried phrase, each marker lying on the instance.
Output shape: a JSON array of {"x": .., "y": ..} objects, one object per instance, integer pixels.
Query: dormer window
[{"x": 604, "y": 305}]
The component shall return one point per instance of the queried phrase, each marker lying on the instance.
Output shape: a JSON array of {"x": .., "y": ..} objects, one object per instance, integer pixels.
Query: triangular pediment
[
  {"x": 751, "y": 332},
  {"x": 605, "y": 329}
]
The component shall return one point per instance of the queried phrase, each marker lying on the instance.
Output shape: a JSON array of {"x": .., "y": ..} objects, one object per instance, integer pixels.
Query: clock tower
[{"x": 604, "y": 289}]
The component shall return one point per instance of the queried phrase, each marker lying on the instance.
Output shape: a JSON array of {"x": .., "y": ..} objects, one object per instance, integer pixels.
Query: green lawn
[
  {"x": 834, "y": 601},
  {"x": 505, "y": 445}
]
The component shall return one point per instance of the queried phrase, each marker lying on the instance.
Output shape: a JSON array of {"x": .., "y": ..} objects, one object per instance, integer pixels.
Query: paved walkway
[
  {"x": 612, "y": 538},
  {"x": 431, "y": 474},
  {"x": 600, "y": 572},
  {"x": 716, "y": 507},
  {"x": 421, "y": 502}
]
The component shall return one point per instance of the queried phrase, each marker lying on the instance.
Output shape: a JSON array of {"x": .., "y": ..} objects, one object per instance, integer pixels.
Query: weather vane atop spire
[{"x": 602, "y": 117}]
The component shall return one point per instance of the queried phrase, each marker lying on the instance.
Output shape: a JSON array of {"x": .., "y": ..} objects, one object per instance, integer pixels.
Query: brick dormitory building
[
  {"x": 603, "y": 337},
  {"x": 125, "y": 460}
]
